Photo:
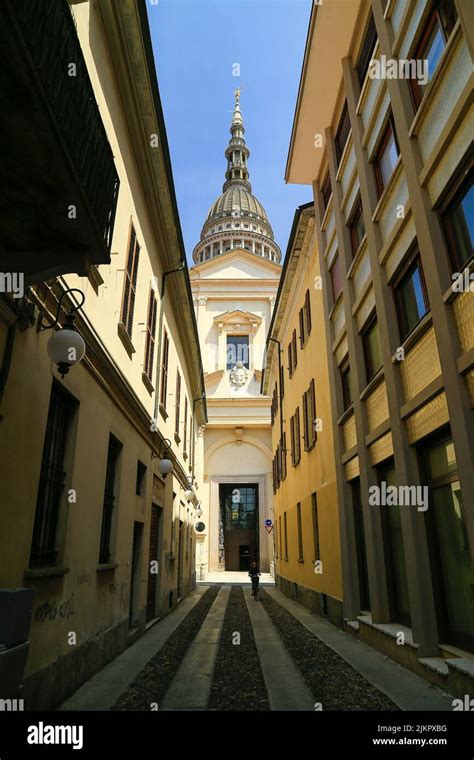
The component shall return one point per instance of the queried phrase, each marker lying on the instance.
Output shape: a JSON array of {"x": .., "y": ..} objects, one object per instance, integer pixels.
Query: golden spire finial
[{"x": 237, "y": 96}]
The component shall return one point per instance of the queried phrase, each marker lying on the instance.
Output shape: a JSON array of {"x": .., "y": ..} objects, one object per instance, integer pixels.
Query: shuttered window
[
  {"x": 150, "y": 336},
  {"x": 130, "y": 283}
]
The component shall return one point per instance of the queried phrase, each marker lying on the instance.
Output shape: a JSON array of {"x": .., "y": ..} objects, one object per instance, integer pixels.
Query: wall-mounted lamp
[
  {"x": 165, "y": 465},
  {"x": 190, "y": 494},
  {"x": 66, "y": 347}
]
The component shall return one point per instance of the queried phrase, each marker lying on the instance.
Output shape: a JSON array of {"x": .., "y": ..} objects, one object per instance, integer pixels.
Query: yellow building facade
[
  {"x": 389, "y": 158},
  {"x": 100, "y": 537},
  {"x": 296, "y": 376}
]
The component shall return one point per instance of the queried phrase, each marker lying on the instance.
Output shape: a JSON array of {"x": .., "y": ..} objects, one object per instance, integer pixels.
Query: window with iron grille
[
  {"x": 178, "y": 404},
  {"x": 109, "y": 499},
  {"x": 150, "y": 336},
  {"x": 130, "y": 283},
  {"x": 164, "y": 369},
  {"x": 62, "y": 406}
]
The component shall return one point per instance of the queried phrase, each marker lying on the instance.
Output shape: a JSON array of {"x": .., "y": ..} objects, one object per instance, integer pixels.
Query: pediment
[
  {"x": 237, "y": 265},
  {"x": 237, "y": 318}
]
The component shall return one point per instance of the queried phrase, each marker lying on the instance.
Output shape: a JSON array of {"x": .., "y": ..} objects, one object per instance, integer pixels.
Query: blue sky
[{"x": 196, "y": 44}]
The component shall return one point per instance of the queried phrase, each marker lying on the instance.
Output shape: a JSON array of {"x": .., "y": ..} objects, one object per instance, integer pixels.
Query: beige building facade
[
  {"x": 97, "y": 541},
  {"x": 390, "y": 162}
]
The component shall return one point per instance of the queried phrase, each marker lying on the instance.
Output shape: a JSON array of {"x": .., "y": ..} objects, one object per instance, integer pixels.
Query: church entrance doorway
[{"x": 238, "y": 525}]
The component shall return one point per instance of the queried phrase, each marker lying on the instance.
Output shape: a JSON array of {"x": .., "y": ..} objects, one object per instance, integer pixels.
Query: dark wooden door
[{"x": 153, "y": 556}]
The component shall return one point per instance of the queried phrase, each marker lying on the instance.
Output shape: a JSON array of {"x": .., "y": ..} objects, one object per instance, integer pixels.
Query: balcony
[{"x": 58, "y": 181}]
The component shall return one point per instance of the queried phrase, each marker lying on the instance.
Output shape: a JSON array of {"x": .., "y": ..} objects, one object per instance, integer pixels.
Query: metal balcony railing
[{"x": 51, "y": 41}]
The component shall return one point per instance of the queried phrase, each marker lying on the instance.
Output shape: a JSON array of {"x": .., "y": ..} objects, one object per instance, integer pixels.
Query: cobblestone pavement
[{"x": 237, "y": 677}]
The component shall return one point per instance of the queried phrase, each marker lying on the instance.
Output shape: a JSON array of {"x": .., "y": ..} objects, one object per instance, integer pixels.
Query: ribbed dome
[
  {"x": 236, "y": 219},
  {"x": 237, "y": 198}
]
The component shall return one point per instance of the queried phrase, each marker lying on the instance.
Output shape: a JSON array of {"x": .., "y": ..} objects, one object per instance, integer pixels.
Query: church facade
[{"x": 234, "y": 282}]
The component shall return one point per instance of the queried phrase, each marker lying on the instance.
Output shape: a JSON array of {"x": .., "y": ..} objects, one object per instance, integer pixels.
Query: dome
[
  {"x": 236, "y": 220},
  {"x": 236, "y": 198}
]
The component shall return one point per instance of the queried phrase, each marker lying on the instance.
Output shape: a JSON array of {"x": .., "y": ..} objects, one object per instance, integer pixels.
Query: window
[
  {"x": 307, "y": 310},
  {"x": 52, "y": 476},
  {"x": 386, "y": 156},
  {"x": 150, "y": 336},
  {"x": 290, "y": 360},
  {"x": 283, "y": 457},
  {"x": 237, "y": 350},
  {"x": 336, "y": 278},
  {"x": 294, "y": 351},
  {"x": 130, "y": 283},
  {"x": 191, "y": 443},
  {"x": 452, "y": 568},
  {"x": 109, "y": 499},
  {"x": 274, "y": 406},
  {"x": 178, "y": 406},
  {"x": 368, "y": 46},
  {"x": 279, "y": 533},
  {"x": 295, "y": 437},
  {"x": 286, "y": 535},
  {"x": 185, "y": 431},
  {"x": 356, "y": 227},
  {"x": 433, "y": 39},
  {"x": 164, "y": 369},
  {"x": 141, "y": 472},
  {"x": 309, "y": 417},
  {"x": 302, "y": 327},
  {"x": 457, "y": 216},
  {"x": 411, "y": 298},
  {"x": 276, "y": 534},
  {"x": 346, "y": 385},
  {"x": 342, "y": 132},
  {"x": 300, "y": 533},
  {"x": 372, "y": 348},
  {"x": 326, "y": 190},
  {"x": 282, "y": 381},
  {"x": 314, "y": 509}
]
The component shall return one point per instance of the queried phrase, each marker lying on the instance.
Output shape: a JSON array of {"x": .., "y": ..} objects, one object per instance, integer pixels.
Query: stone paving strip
[
  {"x": 238, "y": 682},
  {"x": 191, "y": 685},
  {"x": 285, "y": 685},
  {"x": 333, "y": 682},
  {"x": 104, "y": 688},
  {"x": 407, "y": 690},
  {"x": 154, "y": 680}
]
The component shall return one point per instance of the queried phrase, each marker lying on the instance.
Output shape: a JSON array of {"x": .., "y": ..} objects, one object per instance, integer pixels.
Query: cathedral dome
[{"x": 236, "y": 219}]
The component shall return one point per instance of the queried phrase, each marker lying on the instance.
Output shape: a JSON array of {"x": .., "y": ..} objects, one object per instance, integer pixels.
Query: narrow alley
[{"x": 222, "y": 650}]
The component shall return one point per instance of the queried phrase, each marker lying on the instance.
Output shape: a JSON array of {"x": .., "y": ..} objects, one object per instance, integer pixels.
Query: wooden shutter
[
  {"x": 312, "y": 412},
  {"x": 178, "y": 403},
  {"x": 292, "y": 437},
  {"x": 130, "y": 283},
  {"x": 185, "y": 432},
  {"x": 150, "y": 336},
  {"x": 164, "y": 369},
  {"x": 307, "y": 303},
  {"x": 297, "y": 435},
  {"x": 290, "y": 360}
]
